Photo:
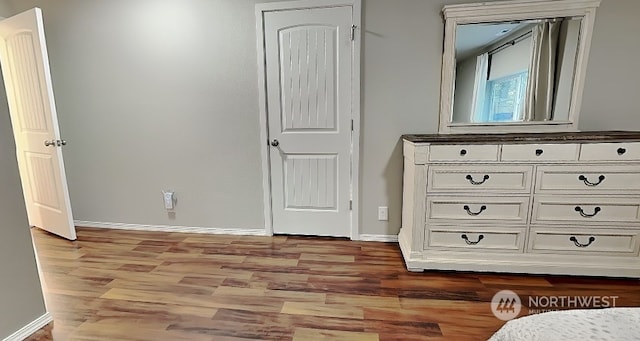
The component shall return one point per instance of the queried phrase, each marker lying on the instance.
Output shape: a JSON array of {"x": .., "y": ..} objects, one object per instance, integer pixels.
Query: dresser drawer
[
  {"x": 474, "y": 152},
  {"x": 582, "y": 210},
  {"x": 588, "y": 179},
  {"x": 479, "y": 178},
  {"x": 507, "y": 239},
  {"x": 560, "y": 240},
  {"x": 540, "y": 152},
  {"x": 466, "y": 208},
  {"x": 610, "y": 151}
]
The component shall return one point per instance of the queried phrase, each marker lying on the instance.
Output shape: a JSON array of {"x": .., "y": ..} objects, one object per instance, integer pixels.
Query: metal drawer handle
[
  {"x": 578, "y": 244},
  {"x": 595, "y": 211},
  {"x": 463, "y": 152},
  {"x": 466, "y": 208},
  {"x": 621, "y": 151},
  {"x": 473, "y": 182},
  {"x": 589, "y": 183},
  {"x": 466, "y": 239},
  {"x": 539, "y": 152}
]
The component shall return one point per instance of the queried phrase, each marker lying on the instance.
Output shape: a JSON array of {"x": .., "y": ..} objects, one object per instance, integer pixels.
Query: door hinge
[
  {"x": 353, "y": 32},
  {"x": 350, "y": 205},
  {"x": 351, "y": 125}
]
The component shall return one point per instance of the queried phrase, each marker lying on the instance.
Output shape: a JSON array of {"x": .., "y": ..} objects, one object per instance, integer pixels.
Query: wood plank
[
  {"x": 308, "y": 334},
  {"x": 322, "y": 309},
  {"x": 364, "y": 300},
  {"x": 327, "y": 258}
]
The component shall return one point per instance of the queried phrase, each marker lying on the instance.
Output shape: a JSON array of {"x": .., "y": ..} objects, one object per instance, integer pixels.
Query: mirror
[
  {"x": 515, "y": 71},
  {"x": 514, "y": 65}
]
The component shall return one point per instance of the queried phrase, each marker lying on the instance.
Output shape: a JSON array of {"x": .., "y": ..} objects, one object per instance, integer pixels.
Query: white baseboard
[
  {"x": 385, "y": 238},
  {"x": 392, "y": 238},
  {"x": 169, "y": 228},
  {"x": 31, "y": 328}
]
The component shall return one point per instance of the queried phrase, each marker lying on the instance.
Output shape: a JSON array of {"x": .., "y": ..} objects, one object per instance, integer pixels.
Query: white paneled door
[
  {"x": 308, "y": 59},
  {"x": 25, "y": 69}
]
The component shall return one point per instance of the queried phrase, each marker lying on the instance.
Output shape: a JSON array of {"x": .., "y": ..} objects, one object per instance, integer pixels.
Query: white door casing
[
  {"x": 307, "y": 61},
  {"x": 27, "y": 79}
]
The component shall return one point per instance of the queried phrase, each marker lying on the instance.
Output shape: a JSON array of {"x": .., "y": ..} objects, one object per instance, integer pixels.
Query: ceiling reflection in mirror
[{"x": 515, "y": 71}]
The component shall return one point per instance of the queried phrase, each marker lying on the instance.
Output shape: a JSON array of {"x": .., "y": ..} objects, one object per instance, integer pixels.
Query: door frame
[{"x": 356, "y": 7}]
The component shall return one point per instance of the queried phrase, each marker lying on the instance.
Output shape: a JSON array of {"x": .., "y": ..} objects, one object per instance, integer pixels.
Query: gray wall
[
  {"x": 570, "y": 33},
  {"x": 21, "y": 299},
  {"x": 613, "y": 78},
  {"x": 159, "y": 95},
  {"x": 465, "y": 84},
  {"x": 155, "y": 95}
]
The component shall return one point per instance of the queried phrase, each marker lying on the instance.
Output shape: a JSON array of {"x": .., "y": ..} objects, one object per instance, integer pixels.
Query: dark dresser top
[{"x": 564, "y": 137}]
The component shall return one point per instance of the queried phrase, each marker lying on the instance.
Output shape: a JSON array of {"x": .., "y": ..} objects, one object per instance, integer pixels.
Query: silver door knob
[
  {"x": 275, "y": 143},
  {"x": 61, "y": 143},
  {"x": 48, "y": 143}
]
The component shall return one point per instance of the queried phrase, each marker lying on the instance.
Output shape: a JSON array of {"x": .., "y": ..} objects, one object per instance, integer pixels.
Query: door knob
[
  {"x": 275, "y": 143},
  {"x": 55, "y": 143}
]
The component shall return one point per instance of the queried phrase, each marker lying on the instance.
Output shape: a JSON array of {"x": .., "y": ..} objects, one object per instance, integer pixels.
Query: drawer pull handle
[
  {"x": 463, "y": 152},
  {"x": 539, "y": 152},
  {"x": 585, "y": 215},
  {"x": 589, "y": 183},
  {"x": 466, "y": 239},
  {"x": 578, "y": 244},
  {"x": 473, "y": 182},
  {"x": 482, "y": 208},
  {"x": 621, "y": 151}
]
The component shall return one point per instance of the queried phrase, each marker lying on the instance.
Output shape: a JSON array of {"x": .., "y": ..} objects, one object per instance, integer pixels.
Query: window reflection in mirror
[{"x": 515, "y": 71}]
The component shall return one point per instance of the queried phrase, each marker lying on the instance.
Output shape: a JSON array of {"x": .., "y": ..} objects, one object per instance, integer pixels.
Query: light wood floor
[{"x": 125, "y": 285}]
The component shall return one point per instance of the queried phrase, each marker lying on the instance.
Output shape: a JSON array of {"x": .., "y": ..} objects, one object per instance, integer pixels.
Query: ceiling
[{"x": 472, "y": 37}]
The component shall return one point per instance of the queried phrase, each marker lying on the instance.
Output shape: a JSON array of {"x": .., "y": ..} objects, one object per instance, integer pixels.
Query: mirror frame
[{"x": 500, "y": 11}]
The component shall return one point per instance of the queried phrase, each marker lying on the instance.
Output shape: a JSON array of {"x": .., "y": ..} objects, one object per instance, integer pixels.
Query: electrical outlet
[
  {"x": 169, "y": 199},
  {"x": 383, "y": 213}
]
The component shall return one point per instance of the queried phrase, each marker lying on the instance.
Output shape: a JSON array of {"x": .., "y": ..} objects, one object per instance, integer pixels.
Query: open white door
[{"x": 25, "y": 68}]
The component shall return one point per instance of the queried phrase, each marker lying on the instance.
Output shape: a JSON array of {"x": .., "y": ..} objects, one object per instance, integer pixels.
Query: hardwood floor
[{"x": 127, "y": 285}]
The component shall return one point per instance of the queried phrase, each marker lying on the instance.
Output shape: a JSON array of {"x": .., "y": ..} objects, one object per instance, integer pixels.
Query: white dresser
[{"x": 530, "y": 203}]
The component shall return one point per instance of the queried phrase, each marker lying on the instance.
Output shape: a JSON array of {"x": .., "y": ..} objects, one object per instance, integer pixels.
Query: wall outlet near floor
[
  {"x": 169, "y": 199},
  {"x": 383, "y": 213}
]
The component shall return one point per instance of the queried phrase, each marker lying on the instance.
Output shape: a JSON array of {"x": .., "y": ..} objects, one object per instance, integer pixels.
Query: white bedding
[{"x": 619, "y": 324}]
